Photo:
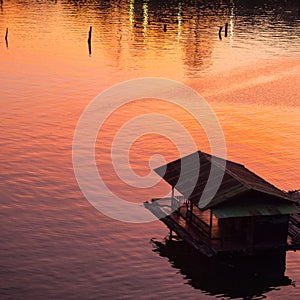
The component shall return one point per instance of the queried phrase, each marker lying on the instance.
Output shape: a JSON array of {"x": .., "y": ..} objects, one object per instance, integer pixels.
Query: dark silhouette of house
[{"x": 246, "y": 214}]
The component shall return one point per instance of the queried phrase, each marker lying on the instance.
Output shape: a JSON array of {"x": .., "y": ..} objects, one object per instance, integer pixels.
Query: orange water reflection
[
  {"x": 47, "y": 77},
  {"x": 48, "y": 229},
  {"x": 145, "y": 146}
]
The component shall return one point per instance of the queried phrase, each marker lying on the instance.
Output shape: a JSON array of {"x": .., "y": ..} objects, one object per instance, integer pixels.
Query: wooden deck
[
  {"x": 203, "y": 220},
  {"x": 187, "y": 232},
  {"x": 196, "y": 230}
]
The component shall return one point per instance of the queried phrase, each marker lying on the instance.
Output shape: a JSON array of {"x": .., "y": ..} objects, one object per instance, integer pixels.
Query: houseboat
[{"x": 247, "y": 215}]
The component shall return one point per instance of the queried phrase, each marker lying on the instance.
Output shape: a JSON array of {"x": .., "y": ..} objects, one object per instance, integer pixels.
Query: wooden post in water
[
  {"x": 220, "y": 31},
  {"x": 6, "y": 37},
  {"x": 190, "y": 212},
  {"x": 165, "y": 27},
  {"x": 172, "y": 199},
  {"x": 210, "y": 224},
  {"x": 90, "y": 40},
  {"x": 226, "y": 29}
]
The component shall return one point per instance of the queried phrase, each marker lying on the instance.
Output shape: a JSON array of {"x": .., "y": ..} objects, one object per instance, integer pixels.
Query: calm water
[{"x": 54, "y": 243}]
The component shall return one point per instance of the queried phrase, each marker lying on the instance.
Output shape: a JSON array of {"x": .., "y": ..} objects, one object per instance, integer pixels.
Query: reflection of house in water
[
  {"x": 234, "y": 278},
  {"x": 246, "y": 215}
]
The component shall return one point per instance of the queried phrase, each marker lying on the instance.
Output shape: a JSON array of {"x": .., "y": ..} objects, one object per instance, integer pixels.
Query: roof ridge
[
  {"x": 227, "y": 160},
  {"x": 232, "y": 174}
]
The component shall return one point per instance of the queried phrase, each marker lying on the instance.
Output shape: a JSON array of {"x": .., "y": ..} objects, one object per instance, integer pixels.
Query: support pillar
[
  {"x": 210, "y": 224},
  {"x": 172, "y": 199}
]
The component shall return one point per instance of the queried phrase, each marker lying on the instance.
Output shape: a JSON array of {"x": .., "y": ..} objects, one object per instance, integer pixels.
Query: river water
[{"x": 54, "y": 243}]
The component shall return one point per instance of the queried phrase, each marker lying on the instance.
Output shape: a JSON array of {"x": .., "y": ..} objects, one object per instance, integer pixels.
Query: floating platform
[
  {"x": 245, "y": 215},
  {"x": 195, "y": 231},
  {"x": 175, "y": 223}
]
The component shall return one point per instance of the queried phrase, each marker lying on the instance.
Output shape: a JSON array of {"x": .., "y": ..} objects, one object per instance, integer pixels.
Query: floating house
[{"x": 246, "y": 214}]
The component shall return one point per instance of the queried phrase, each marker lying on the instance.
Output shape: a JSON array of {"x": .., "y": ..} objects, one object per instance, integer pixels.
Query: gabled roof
[{"x": 191, "y": 180}]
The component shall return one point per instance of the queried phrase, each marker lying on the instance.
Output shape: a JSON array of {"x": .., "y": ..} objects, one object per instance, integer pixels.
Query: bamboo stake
[
  {"x": 90, "y": 40},
  {"x": 226, "y": 29},
  {"x": 220, "y": 31},
  {"x": 6, "y": 37}
]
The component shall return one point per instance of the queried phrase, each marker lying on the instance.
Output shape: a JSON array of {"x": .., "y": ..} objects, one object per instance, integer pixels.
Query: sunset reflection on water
[{"x": 47, "y": 77}]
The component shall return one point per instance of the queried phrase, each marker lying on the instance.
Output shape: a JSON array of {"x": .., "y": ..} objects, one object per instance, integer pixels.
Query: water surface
[{"x": 54, "y": 244}]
